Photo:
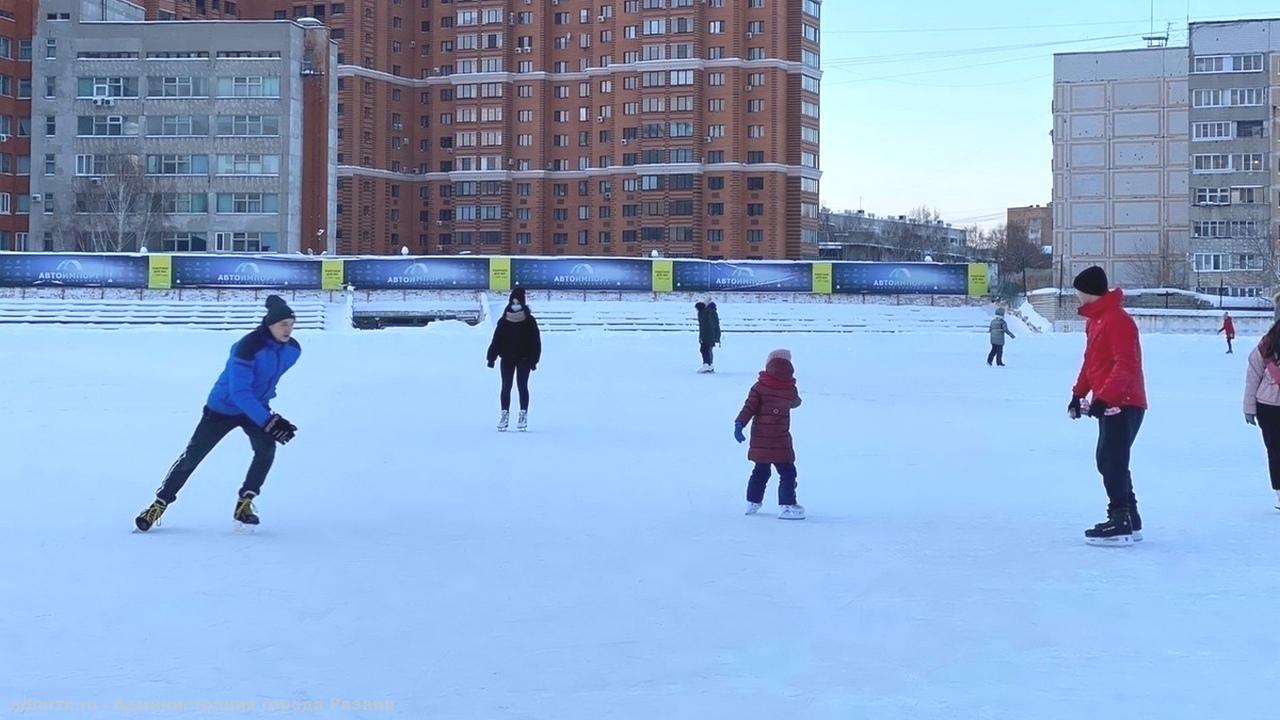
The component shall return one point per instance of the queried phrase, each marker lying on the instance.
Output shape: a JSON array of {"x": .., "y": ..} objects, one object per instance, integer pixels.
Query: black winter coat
[{"x": 518, "y": 342}]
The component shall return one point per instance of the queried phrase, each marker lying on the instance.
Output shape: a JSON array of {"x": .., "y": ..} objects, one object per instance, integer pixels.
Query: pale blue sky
[{"x": 934, "y": 116}]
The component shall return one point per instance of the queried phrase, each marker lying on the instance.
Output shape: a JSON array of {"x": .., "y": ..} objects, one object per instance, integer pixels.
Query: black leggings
[
  {"x": 1269, "y": 422},
  {"x": 518, "y": 372}
]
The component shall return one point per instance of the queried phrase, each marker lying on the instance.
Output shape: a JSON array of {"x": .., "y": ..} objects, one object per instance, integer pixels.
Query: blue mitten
[{"x": 737, "y": 432}]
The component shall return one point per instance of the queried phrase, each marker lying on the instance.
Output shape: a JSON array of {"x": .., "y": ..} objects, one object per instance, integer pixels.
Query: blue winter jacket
[{"x": 248, "y": 383}]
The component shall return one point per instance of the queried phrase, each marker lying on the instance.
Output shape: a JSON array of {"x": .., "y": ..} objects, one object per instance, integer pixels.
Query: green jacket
[{"x": 709, "y": 325}]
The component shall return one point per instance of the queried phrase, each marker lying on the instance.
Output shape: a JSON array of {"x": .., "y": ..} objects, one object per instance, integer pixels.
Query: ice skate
[
  {"x": 753, "y": 508},
  {"x": 1278, "y": 499},
  {"x": 522, "y": 422},
  {"x": 1117, "y": 531},
  {"x": 151, "y": 516},
  {"x": 244, "y": 510},
  {"x": 1135, "y": 524},
  {"x": 791, "y": 512},
  {"x": 706, "y": 369},
  {"x": 504, "y": 421}
]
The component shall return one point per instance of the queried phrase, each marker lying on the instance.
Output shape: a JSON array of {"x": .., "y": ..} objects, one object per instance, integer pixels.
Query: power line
[
  {"x": 987, "y": 28},
  {"x": 961, "y": 52}
]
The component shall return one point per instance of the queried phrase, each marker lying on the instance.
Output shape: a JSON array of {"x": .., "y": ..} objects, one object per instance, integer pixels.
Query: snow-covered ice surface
[{"x": 601, "y": 566}]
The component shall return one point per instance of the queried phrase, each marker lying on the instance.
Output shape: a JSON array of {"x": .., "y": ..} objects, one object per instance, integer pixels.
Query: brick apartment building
[
  {"x": 589, "y": 127},
  {"x": 17, "y": 28}
]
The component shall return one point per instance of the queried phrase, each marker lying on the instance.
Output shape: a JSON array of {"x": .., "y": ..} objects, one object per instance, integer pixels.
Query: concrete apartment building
[
  {"x": 16, "y": 49},
  {"x": 1121, "y": 166},
  {"x": 1233, "y": 173},
  {"x": 859, "y": 235},
  {"x": 1036, "y": 221},
  {"x": 592, "y": 127},
  {"x": 229, "y": 128}
]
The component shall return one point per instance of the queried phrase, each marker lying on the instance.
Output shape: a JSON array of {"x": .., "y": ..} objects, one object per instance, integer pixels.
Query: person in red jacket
[
  {"x": 768, "y": 409},
  {"x": 1228, "y": 327},
  {"x": 1112, "y": 372}
]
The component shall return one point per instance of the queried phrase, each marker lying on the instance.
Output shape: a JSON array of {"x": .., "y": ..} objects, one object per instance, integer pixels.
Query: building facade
[
  {"x": 582, "y": 127},
  {"x": 865, "y": 236},
  {"x": 1035, "y": 222},
  {"x": 1121, "y": 166},
  {"x": 1233, "y": 172},
  {"x": 17, "y": 47},
  {"x": 181, "y": 136}
]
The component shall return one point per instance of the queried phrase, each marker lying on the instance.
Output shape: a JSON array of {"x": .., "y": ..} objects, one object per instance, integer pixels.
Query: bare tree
[{"x": 117, "y": 211}]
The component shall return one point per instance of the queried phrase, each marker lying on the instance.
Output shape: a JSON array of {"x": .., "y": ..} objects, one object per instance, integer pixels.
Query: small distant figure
[
  {"x": 768, "y": 409},
  {"x": 999, "y": 329},
  {"x": 708, "y": 334},
  {"x": 518, "y": 342},
  {"x": 1229, "y": 328}
]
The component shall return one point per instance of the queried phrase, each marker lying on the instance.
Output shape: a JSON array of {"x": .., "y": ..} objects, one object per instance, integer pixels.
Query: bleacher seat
[{"x": 211, "y": 315}]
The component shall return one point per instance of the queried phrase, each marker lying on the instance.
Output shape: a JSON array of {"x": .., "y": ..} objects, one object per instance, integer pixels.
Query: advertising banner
[
  {"x": 696, "y": 276},
  {"x": 822, "y": 278},
  {"x": 500, "y": 274},
  {"x": 331, "y": 274},
  {"x": 979, "y": 279},
  {"x": 421, "y": 273},
  {"x": 160, "y": 272},
  {"x": 259, "y": 271},
  {"x": 582, "y": 274},
  {"x": 900, "y": 278},
  {"x": 73, "y": 270},
  {"x": 663, "y": 276}
]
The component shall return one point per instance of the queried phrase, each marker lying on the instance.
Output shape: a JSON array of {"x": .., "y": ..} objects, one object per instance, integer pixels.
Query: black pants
[
  {"x": 1116, "y": 434},
  {"x": 212, "y": 428},
  {"x": 786, "y": 483},
  {"x": 708, "y": 357},
  {"x": 997, "y": 354},
  {"x": 1229, "y": 345},
  {"x": 518, "y": 372},
  {"x": 1269, "y": 422}
]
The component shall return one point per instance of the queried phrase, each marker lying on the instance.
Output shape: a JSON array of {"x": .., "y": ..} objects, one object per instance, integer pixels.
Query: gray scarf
[{"x": 515, "y": 316}]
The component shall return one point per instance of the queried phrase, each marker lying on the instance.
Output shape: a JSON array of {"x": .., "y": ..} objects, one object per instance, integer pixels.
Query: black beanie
[
  {"x": 517, "y": 295},
  {"x": 1091, "y": 281},
  {"x": 277, "y": 310}
]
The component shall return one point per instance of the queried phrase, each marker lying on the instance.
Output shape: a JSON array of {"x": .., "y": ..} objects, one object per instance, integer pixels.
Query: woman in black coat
[{"x": 517, "y": 341}]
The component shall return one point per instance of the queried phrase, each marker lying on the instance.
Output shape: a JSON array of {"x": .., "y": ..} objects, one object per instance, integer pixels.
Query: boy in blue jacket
[{"x": 240, "y": 399}]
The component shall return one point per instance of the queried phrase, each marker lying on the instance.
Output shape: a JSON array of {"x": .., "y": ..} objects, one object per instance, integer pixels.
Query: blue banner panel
[
  {"x": 697, "y": 276},
  {"x": 582, "y": 274},
  {"x": 470, "y": 273},
  {"x": 73, "y": 270},
  {"x": 900, "y": 278},
  {"x": 258, "y": 271}
]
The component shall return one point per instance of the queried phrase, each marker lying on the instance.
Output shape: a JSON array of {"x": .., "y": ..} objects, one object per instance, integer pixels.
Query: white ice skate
[
  {"x": 522, "y": 422},
  {"x": 791, "y": 512},
  {"x": 706, "y": 369},
  {"x": 753, "y": 508},
  {"x": 504, "y": 421},
  {"x": 1278, "y": 499}
]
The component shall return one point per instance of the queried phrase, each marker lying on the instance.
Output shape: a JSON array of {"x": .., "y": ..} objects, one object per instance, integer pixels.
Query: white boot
[
  {"x": 705, "y": 369},
  {"x": 753, "y": 508},
  {"x": 1278, "y": 499},
  {"x": 791, "y": 512},
  {"x": 504, "y": 421},
  {"x": 522, "y": 422}
]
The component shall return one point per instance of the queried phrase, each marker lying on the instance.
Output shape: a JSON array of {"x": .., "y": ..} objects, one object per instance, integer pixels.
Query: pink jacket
[{"x": 1260, "y": 385}]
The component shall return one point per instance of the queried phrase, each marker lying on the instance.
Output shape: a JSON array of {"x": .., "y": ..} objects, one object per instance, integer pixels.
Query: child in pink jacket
[{"x": 1262, "y": 397}]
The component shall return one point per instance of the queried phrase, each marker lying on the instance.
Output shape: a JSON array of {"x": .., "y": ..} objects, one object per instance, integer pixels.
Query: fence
[{"x": 658, "y": 275}]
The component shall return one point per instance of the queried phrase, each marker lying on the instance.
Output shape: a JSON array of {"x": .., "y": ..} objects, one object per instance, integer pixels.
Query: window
[
  {"x": 246, "y": 242},
  {"x": 248, "y": 125},
  {"x": 812, "y": 8},
  {"x": 1248, "y": 97},
  {"x": 809, "y": 134},
  {"x": 755, "y": 131},
  {"x": 1213, "y": 196},
  {"x": 1248, "y": 195},
  {"x": 1210, "y": 163},
  {"x": 185, "y": 87},
  {"x": 178, "y": 125},
  {"x": 249, "y": 86},
  {"x": 24, "y": 49},
  {"x": 809, "y": 109},
  {"x": 755, "y": 209},
  {"x": 51, "y": 49},
  {"x": 1209, "y": 262},
  {"x": 103, "y": 125},
  {"x": 248, "y": 203},
  {"x": 755, "y": 157},
  {"x": 1227, "y": 64},
  {"x": 180, "y": 203},
  {"x": 51, "y": 125},
  {"x": 50, "y": 164},
  {"x": 248, "y": 164},
  {"x": 1248, "y": 162},
  {"x": 755, "y": 183},
  {"x": 715, "y": 79},
  {"x": 715, "y": 209},
  {"x": 178, "y": 164},
  {"x": 716, "y": 27},
  {"x": 1210, "y": 229}
]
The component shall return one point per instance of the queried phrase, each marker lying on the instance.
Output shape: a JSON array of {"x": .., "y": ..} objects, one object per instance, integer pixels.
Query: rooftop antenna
[{"x": 1154, "y": 40}]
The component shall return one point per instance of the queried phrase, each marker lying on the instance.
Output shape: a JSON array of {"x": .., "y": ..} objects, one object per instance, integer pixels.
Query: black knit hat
[
  {"x": 1091, "y": 281},
  {"x": 277, "y": 310},
  {"x": 517, "y": 295}
]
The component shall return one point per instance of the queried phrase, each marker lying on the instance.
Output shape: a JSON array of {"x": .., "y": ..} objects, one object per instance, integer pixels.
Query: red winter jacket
[
  {"x": 1229, "y": 328},
  {"x": 1112, "y": 355},
  {"x": 768, "y": 409}
]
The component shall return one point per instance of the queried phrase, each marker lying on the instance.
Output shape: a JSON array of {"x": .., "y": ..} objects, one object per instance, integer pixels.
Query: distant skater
[
  {"x": 768, "y": 410},
  {"x": 708, "y": 334},
  {"x": 1229, "y": 328},
  {"x": 518, "y": 342},
  {"x": 999, "y": 329}
]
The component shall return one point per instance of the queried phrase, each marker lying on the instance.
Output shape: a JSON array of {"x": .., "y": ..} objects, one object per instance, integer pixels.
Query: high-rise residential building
[
  {"x": 1033, "y": 222},
  {"x": 16, "y": 50},
  {"x": 182, "y": 135},
  {"x": 593, "y": 127},
  {"x": 1120, "y": 166},
  {"x": 1233, "y": 168}
]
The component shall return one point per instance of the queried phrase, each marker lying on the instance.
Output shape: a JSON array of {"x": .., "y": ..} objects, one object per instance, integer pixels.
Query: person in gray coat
[{"x": 999, "y": 329}]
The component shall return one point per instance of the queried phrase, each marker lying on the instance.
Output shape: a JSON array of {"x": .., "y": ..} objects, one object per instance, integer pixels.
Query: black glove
[
  {"x": 281, "y": 430},
  {"x": 1073, "y": 407},
  {"x": 1097, "y": 408},
  {"x": 533, "y": 367},
  {"x": 490, "y": 363}
]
